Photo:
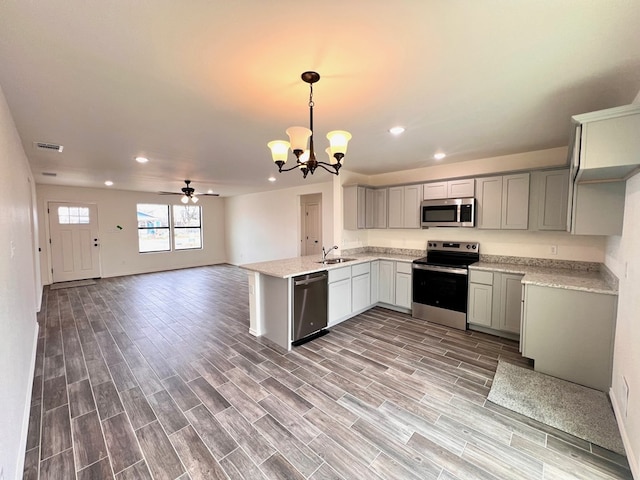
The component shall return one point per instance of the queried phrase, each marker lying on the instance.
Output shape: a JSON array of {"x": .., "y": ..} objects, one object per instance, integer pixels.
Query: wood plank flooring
[{"x": 156, "y": 377}]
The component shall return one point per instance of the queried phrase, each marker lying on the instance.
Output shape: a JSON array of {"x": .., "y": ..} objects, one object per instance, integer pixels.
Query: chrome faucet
[{"x": 326, "y": 252}]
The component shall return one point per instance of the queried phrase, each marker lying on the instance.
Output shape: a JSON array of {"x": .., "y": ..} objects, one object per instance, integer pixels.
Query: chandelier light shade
[{"x": 301, "y": 143}]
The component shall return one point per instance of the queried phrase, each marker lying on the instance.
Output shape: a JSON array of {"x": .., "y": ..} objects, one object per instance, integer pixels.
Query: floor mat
[{"x": 580, "y": 411}]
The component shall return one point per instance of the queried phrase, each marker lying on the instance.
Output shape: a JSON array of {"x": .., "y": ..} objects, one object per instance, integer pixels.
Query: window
[
  {"x": 73, "y": 215},
  {"x": 186, "y": 227},
  {"x": 157, "y": 228},
  {"x": 153, "y": 228}
]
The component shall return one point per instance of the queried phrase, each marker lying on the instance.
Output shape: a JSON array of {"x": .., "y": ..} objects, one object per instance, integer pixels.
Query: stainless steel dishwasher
[{"x": 309, "y": 306}]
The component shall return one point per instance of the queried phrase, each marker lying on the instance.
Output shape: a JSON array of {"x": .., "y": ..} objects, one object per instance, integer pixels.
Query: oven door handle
[{"x": 437, "y": 268}]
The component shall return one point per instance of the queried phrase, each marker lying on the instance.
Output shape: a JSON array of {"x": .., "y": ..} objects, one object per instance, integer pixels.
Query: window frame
[
  {"x": 186, "y": 227},
  {"x": 172, "y": 229},
  {"x": 155, "y": 227}
]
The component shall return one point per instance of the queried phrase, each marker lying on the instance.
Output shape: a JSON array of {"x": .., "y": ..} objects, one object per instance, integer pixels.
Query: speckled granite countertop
[
  {"x": 588, "y": 280},
  {"x": 292, "y": 267}
]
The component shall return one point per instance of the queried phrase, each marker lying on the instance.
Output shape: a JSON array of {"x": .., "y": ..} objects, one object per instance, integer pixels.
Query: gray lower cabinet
[
  {"x": 494, "y": 302},
  {"x": 403, "y": 285},
  {"x": 386, "y": 282},
  {"x": 569, "y": 334},
  {"x": 360, "y": 287},
  {"x": 339, "y": 294}
]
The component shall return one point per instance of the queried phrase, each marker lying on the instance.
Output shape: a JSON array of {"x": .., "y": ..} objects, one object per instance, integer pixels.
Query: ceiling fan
[{"x": 189, "y": 193}]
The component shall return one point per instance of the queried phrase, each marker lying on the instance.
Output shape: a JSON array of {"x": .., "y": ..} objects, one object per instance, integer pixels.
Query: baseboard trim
[
  {"x": 631, "y": 455},
  {"x": 27, "y": 407}
]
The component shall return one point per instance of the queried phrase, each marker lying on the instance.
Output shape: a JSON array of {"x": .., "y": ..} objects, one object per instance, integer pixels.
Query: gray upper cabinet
[
  {"x": 515, "y": 202},
  {"x": 503, "y": 202},
  {"x": 380, "y": 208},
  {"x": 404, "y": 206},
  {"x": 364, "y": 207},
  {"x": 549, "y": 195},
  {"x": 461, "y": 188}
]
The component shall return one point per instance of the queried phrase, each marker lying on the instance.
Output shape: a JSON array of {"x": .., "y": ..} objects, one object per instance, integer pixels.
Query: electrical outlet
[
  {"x": 625, "y": 396},
  {"x": 553, "y": 249}
]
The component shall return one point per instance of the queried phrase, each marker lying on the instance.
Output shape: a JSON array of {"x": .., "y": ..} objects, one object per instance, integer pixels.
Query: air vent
[
  {"x": 49, "y": 174},
  {"x": 48, "y": 146}
]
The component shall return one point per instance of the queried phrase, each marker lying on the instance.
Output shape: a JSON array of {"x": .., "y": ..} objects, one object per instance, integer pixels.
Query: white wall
[
  {"x": 623, "y": 258},
  {"x": 19, "y": 295},
  {"x": 266, "y": 226},
  {"x": 119, "y": 248}
]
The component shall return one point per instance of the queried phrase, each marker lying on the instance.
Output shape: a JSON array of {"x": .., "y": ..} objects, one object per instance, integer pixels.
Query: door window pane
[{"x": 73, "y": 215}]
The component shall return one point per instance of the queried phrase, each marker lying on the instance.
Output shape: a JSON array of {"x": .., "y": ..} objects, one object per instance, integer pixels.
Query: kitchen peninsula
[{"x": 365, "y": 280}]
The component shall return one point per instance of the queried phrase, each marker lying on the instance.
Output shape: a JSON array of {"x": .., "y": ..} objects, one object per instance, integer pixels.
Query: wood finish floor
[{"x": 156, "y": 376}]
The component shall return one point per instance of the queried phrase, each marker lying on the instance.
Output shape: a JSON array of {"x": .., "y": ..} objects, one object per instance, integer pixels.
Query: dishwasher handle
[{"x": 307, "y": 281}]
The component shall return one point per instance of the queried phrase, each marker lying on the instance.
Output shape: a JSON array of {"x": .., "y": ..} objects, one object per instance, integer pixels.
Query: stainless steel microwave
[{"x": 449, "y": 212}]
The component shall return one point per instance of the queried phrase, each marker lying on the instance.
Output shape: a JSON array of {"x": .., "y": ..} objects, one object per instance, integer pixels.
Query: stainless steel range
[{"x": 440, "y": 283}]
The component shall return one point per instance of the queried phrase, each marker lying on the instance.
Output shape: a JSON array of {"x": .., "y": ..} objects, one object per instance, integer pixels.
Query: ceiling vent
[
  {"x": 48, "y": 146},
  {"x": 49, "y": 174}
]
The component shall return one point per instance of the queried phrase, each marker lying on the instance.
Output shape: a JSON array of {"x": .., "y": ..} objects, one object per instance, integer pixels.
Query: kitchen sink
[{"x": 334, "y": 260}]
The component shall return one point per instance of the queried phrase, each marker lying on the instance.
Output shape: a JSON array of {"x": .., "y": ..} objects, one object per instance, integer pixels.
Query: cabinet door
[
  {"x": 510, "y": 302},
  {"x": 434, "y": 190},
  {"x": 461, "y": 188},
  {"x": 339, "y": 300},
  {"x": 403, "y": 290},
  {"x": 515, "y": 202},
  {"x": 375, "y": 276},
  {"x": 362, "y": 205},
  {"x": 396, "y": 207},
  {"x": 489, "y": 202},
  {"x": 411, "y": 210},
  {"x": 386, "y": 282},
  {"x": 360, "y": 292},
  {"x": 480, "y": 303},
  {"x": 350, "y": 207},
  {"x": 380, "y": 219},
  {"x": 553, "y": 192},
  {"x": 370, "y": 208}
]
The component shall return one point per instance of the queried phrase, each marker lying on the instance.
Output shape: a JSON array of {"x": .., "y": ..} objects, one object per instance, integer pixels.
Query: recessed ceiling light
[
  {"x": 142, "y": 159},
  {"x": 439, "y": 156},
  {"x": 396, "y": 130},
  {"x": 209, "y": 191},
  {"x": 272, "y": 179},
  {"x": 108, "y": 183}
]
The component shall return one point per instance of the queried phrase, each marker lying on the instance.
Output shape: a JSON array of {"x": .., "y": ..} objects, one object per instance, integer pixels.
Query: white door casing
[{"x": 75, "y": 245}]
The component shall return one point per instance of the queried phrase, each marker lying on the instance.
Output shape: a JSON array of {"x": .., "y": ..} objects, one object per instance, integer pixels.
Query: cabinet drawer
[
  {"x": 360, "y": 269},
  {"x": 478, "y": 276},
  {"x": 403, "y": 267},
  {"x": 338, "y": 274}
]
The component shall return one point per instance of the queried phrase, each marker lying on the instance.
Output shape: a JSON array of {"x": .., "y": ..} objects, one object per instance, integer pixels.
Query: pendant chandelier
[{"x": 299, "y": 136}]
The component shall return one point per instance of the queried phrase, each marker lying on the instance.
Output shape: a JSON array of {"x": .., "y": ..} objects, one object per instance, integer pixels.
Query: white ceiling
[{"x": 200, "y": 87}]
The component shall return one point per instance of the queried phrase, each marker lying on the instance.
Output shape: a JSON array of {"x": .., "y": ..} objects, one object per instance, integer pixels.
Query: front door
[
  {"x": 75, "y": 246},
  {"x": 312, "y": 229}
]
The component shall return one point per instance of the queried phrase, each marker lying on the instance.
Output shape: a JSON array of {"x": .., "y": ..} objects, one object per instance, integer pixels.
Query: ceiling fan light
[
  {"x": 184, "y": 199},
  {"x": 279, "y": 150},
  {"x": 338, "y": 139},
  {"x": 194, "y": 199},
  {"x": 298, "y": 136}
]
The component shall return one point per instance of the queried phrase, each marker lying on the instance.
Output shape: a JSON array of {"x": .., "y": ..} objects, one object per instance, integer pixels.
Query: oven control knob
[
  {"x": 474, "y": 247},
  {"x": 468, "y": 246}
]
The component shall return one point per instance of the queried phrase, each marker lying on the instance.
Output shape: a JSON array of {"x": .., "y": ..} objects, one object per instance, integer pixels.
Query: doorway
[
  {"x": 75, "y": 246},
  {"x": 311, "y": 224}
]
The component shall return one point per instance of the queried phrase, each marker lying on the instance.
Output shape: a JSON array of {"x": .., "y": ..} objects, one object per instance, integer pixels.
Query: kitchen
[{"x": 246, "y": 227}]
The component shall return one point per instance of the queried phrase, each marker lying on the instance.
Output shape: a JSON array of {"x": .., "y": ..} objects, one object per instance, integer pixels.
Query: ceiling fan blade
[{"x": 170, "y": 193}]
